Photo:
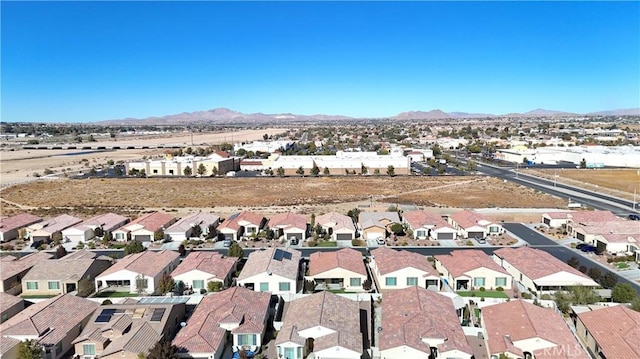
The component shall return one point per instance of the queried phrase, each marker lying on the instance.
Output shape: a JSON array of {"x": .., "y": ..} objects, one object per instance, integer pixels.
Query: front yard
[
  {"x": 483, "y": 294},
  {"x": 112, "y": 294}
]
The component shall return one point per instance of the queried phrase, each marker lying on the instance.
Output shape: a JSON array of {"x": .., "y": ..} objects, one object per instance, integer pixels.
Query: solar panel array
[
  {"x": 105, "y": 316},
  {"x": 157, "y": 314},
  {"x": 279, "y": 254}
]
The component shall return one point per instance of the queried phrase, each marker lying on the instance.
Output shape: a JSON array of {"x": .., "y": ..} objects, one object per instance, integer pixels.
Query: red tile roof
[
  {"x": 246, "y": 216},
  {"x": 467, "y": 219},
  {"x": 459, "y": 262},
  {"x": 336, "y": 221},
  {"x": 18, "y": 221},
  {"x": 149, "y": 263},
  {"x": 346, "y": 258},
  {"x": 535, "y": 263},
  {"x": 422, "y": 219},
  {"x": 616, "y": 330},
  {"x": 288, "y": 220},
  {"x": 592, "y": 216},
  {"x": 213, "y": 263},
  {"x": 152, "y": 222},
  {"x": 55, "y": 224},
  {"x": 390, "y": 260}
]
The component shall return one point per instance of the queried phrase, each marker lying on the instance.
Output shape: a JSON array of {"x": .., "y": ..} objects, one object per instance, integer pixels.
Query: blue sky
[{"x": 91, "y": 61}]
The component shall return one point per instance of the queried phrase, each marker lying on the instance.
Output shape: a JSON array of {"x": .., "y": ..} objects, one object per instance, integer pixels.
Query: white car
[{"x": 381, "y": 241}]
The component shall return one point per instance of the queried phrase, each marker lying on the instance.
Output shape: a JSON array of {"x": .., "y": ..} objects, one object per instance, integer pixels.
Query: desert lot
[{"x": 619, "y": 182}]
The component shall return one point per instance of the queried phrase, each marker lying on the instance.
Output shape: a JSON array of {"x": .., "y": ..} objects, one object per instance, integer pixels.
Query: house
[
  {"x": 470, "y": 224},
  {"x": 200, "y": 268},
  {"x": 192, "y": 226},
  {"x": 418, "y": 323},
  {"x": 239, "y": 224},
  {"x": 93, "y": 227},
  {"x": 520, "y": 329},
  {"x": 614, "y": 236},
  {"x": 556, "y": 219},
  {"x": 427, "y": 225},
  {"x": 13, "y": 270},
  {"x": 274, "y": 270},
  {"x": 10, "y": 226},
  {"x": 61, "y": 276},
  {"x": 45, "y": 230},
  {"x": 325, "y": 324},
  {"x": 9, "y": 306},
  {"x": 539, "y": 270},
  {"x": 338, "y": 226},
  {"x": 117, "y": 331},
  {"x": 375, "y": 225},
  {"x": 577, "y": 219},
  {"x": 610, "y": 332},
  {"x": 54, "y": 323},
  {"x": 238, "y": 314},
  {"x": 472, "y": 269},
  {"x": 144, "y": 228},
  {"x": 400, "y": 269},
  {"x": 341, "y": 269},
  {"x": 289, "y": 225},
  {"x": 139, "y": 272}
]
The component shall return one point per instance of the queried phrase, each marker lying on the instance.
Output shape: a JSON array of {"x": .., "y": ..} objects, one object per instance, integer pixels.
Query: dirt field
[{"x": 303, "y": 195}]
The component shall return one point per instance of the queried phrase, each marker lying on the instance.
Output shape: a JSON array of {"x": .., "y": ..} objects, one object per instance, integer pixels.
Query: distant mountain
[
  {"x": 421, "y": 115},
  {"x": 622, "y": 112}
]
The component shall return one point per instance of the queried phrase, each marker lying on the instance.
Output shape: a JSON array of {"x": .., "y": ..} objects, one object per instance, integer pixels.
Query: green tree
[
  {"x": 142, "y": 284},
  {"x": 391, "y": 171},
  {"x": 265, "y": 137},
  {"x": 437, "y": 151},
  {"x": 609, "y": 280},
  {"x": 163, "y": 350},
  {"x": 187, "y": 171},
  {"x": 133, "y": 247},
  {"x": 623, "y": 293},
  {"x": 635, "y": 304},
  {"x": 376, "y": 171},
  {"x": 158, "y": 235},
  {"x": 202, "y": 170},
  {"x": 364, "y": 170},
  {"x": 326, "y": 171},
  {"x": 595, "y": 273},
  {"x": 578, "y": 295},
  {"x": 214, "y": 171},
  {"x": 60, "y": 252},
  {"x": 583, "y": 163},
  {"x": 574, "y": 262},
  {"x": 354, "y": 214},
  {"x": 30, "y": 349},
  {"x": 85, "y": 287},
  {"x": 214, "y": 286},
  {"x": 300, "y": 171},
  {"x": 397, "y": 229},
  {"x": 166, "y": 284},
  {"x": 315, "y": 171},
  {"x": 471, "y": 166},
  {"x": 235, "y": 250},
  {"x": 280, "y": 172}
]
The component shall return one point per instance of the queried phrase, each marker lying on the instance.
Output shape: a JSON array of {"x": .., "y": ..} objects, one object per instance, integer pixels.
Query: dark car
[
  {"x": 581, "y": 245},
  {"x": 589, "y": 249},
  {"x": 634, "y": 217}
]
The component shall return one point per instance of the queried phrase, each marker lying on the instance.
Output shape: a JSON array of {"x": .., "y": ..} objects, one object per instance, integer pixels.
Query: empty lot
[{"x": 621, "y": 182}]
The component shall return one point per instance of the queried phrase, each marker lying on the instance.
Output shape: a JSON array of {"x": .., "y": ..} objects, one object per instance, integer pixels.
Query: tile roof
[
  {"x": 55, "y": 224},
  {"x": 152, "y": 222},
  {"x": 616, "y": 329},
  {"x": 203, "y": 331},
  {"x": 265, "y": 261},
  {"x": 423, "y": 219},
  {"x": 591, "y": 216},
  {"x": 467, "y": 219},
  {"x": 213, "y": 263},
  {"x": 288, "y": 220},
  {"x": 14, "y": 267},
  {"x": 346, "y": 258},
  {"x": 149, "y": 263},
  {"x": 558, "y": 215},
  {"x": 234, "y": 222},
  {"x": 535, "y": 263},
  {"x": 336, "y": 221},
  {"x": 7, "y": 301},
  {"x": 49, "y": 320},
  {"x": 18, "y": 221},
  {"x": 71, "y": 267},
  {"x": 389, "y": 260},
  {"x": 202, "y": 219},
  {"x": 370, "y": 219},
  {"x": 618, "y": 226},
  {"x": 328, "y": 310},
  {"x": 108, "y": 222},
  {"x": 528, "y": 321},
  {"x": 459, "y": 262},
  {"x": 7, "y": 343},
  {"x": 414, "y": 313}
]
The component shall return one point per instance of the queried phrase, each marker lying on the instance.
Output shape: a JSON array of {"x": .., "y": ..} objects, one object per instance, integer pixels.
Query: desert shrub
[
  {"x": 527, "y": 295},
  {"x": 482, "y": 289},
  {"x": 500, "y": 289}
]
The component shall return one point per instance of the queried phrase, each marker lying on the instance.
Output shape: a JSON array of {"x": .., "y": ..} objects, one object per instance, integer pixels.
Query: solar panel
[
  {"x": 103, "y": 319},
  {"x": 157, "y": 314},
  {"x": 108, "y": 312},
  {"x": 279, "y": 254}
]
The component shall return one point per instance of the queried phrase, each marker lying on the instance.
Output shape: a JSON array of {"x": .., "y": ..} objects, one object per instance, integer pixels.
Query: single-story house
[
  {"x": 341, "y": 269},
  {"x": 44, "y": 231},
  {"x": 89, "y": 229},
  {"x": 14, "y": 269},
  {"x": 9, "y": 306},
  {"x": 241, "y": 224},
  {"x": 236, "y": 314},
  {"x": 400, "y": 269},
  {"x": 610, "y": 332},
  {"x": 556, "y": 219},
  {"x": 338, "y": 226},
  {"x": 200, "y": 268},
  {"x": 54, "y": 323},
  {"x": 325, "y": 324},
  {"x": 289, "y": 225},
  {"x": 580, "y": 218},
  {"x": 10, "y": 226},
  {"x": 470, "y": 224},
  {"x": 427, "y": 225},
  {"x": 117, "y": 331},
  {"x": 418, "y": 323},
  {"x": 61, "y": 276},
  {"x": 539, "y": 270},
  {"x": 139, "y": 272},
  {"x": 375, "y": 225},
  {"x": 144, "y": 228},
  {"x": 188, "y": 226},
  {"x": 274, "y": 270},
  {"x": 615, "y": 236},
  {"x": 472, "y": 269},
  {"x": 520, "y": 329}
]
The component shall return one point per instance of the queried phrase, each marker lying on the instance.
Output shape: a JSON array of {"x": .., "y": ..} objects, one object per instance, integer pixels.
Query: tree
[
  {"x": 471, "y": 166},
  {"x": 300, "y": 171},
  {"x": 635, "y": 304},
  {"x": 106, "y": 239},
  {"x": 376, "y": 171},
  {"x": 142, "y": 284},
  {"x": 583, "y": 163},
  {"x": 163, "y": 350},
  {"x": 187, "y": 171},
  {"x": 391, "y": 171},
  {"x": 354, "y": 214},
  {"x": 214, "y": 286},
  {"x": 235, "y": 250},
  {"x": 265, "y": 137},
  {"x": 595, "y": 273},
  {"x": 280, "y": 172},
  {"x": 158, "y": 235},
  {"x": 166, "y": 284},
  {"x": 196, "y": 231},
  {"x": 397, "y": 229},
  {"x": 326, "y": 171},
  {"x": 30, "y": 349},
  {"x": 214, "y": 171},
  {"x": 202, "y": 170},
  {"x": 609, "y": 280},
  {"x": 182, "y": 250},
  {"x": 315, "y": 171},
  {"x": 574, "y": 262},
  {"x": 577, "y": 295},
  {"x": 364, "y": 170},
  {"x": 60, "y": 252},
  {"x": 582, "y": 269},
  {"x": 85, "y": 287},
  {"x": 133, "y": 247},
  {"x": 623, "y": 293}
]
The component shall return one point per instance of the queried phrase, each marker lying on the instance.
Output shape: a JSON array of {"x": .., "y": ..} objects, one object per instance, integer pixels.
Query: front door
[{"x": 70, "y": 287}]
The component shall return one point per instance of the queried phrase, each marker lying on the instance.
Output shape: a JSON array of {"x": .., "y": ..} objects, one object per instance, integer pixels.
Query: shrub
[
  {"x": 482, "y": 289},
  {"x": 500, "y": 289},
  {"x": 106, "y": 302},
  {"x": 545, "y": 297},
  {"x": 573, "y": 245},
  {"x": 527, "y": 295},
  {"x": 312, "y": 243},
  {"x": 357, "y": 243}
]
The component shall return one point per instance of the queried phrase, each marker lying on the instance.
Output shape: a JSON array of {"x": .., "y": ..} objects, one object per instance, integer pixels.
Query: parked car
[
  {"x": 227, "y": 242},
  {"x": 634, "y": 217},
  {"x": 294, "y": 241},
  {"x": 581, "y": 245},
  {"x": 589, "y": 249},
  {"x": 381, "y": 241},
  {"x": 480, "y": 240}
]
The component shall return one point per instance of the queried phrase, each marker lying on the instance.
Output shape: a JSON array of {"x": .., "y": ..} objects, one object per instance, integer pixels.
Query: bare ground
[{"x": 617, "y": 182}]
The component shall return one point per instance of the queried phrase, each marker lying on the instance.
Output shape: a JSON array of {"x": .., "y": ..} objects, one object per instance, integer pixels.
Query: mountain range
[{"x": 224, "y": 115}]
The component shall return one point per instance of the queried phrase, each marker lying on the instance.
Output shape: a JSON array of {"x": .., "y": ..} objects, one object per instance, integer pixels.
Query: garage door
[
  {"x": 446, "y": 236},
  {"x": 344, "y": 237},
  {"x": 75, "y": 238},
  {"x": 228, "y": 236},
  {"x": 547, "y": 221},
  {"x": 476, "y": 234},
  {"x": 580, "y": 236},
  {"x": 294, "y": 235},
  {"x": 374, "y": 235},
  {"x": 146, "y": 238}
]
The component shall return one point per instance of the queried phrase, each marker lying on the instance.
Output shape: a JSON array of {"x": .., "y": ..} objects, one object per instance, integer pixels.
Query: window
[
  {"x": 88, "y": 349},
  {"x": 355, "y": 282},
  {"x": 5, "y": 316},
  {"x": 299, "y": 352},
  {"x": 198, "y": 284},
  {"x": 288, "y": 353},
  {"x": 54, "y": 285},
  {"x": 58, "y": 347},
  {"x": 521, "y": 277},
  {"x": 32, "y": 285},
  {"x": 390, "y": 281},
  {"x": 251, "y": 229},
  {"x": 247, "y": 339},
  {"x": 119, "y": 235},
  {"x": 421, "y": 234},
  {"x": 155, "y": 171},
  {"x": 412, "y": 280},
  {"x": 501, "y": 281},
  {"x": 478, "y": 282},
  {"x": 284, "y": 286},
  {"x": 264, "y": 286},
  {"x": 170, "y": 172},
  {"x": 493, "y": 229}
]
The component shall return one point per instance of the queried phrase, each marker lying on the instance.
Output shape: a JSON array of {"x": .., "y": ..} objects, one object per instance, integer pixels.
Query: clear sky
[{"x": 91, "y": 61}]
